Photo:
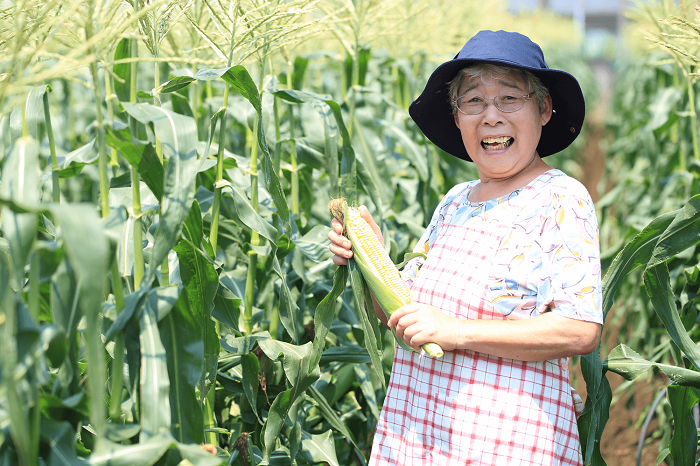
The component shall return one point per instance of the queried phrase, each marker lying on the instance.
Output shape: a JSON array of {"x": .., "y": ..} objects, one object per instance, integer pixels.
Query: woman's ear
[{"x": 546, "y": 114}]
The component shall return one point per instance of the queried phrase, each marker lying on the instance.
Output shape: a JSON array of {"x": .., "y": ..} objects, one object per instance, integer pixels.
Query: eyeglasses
[{"x": 474, "y": 104}]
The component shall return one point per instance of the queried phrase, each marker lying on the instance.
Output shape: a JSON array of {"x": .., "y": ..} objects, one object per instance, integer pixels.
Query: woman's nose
[{"x": 491, "y": 114}]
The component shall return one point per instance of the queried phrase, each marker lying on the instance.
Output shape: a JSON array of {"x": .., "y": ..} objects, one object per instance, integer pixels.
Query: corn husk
[{"x": 389, "y": 299}]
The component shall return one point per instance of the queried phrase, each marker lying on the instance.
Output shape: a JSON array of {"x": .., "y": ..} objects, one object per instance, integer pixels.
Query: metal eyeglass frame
[{"x": 526, "y": 97}]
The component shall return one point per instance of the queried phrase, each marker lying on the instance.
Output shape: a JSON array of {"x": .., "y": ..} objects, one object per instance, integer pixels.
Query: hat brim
[{"x": 432, "y": 111}]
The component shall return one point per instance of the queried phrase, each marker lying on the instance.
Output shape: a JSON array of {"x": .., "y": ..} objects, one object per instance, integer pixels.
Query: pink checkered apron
[{"x": 471, "y": 408}]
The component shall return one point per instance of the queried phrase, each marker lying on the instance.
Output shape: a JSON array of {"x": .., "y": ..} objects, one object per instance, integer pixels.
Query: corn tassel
[{"x": 380, "y": 273}]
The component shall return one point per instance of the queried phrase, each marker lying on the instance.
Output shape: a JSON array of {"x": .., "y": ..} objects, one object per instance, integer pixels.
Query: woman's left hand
[{"x": 418, "y": 324}]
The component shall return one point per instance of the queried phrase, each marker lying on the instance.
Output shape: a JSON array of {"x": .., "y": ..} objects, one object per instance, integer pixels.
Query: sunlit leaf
[
  {"x": 630, "y": 365},
  {"x": 319, "y": 448}
]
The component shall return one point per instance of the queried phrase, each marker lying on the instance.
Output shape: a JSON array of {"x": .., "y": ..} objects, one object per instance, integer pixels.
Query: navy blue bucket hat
[{"x": 432, "y": 111}]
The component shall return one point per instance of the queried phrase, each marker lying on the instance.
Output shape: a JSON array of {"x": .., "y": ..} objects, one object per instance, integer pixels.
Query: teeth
[
  {"x": 499, "y": 143},
  {"x": 501, "y": 140}
]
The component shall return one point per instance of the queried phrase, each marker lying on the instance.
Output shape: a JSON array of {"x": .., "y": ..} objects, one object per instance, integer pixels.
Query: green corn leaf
[
  {"x": 142, "y": 157},
  {"x": 636, "y": 253},
  {"x": 592, "y": 423},
  {"x": 175, "y": 84},
  {"x": 300, "y": 65},
  {"x": 363, "y": 379},
  {"x": 363, "y": 306},
  {"x": 684, "y": 443},
  {"x": 663, "y": 107},
  {"x": 294, "y": 436},
  {"x": 330, "y": 145},
  {"x": 289, "y": 310},
  {"x": 122, "y": 70},
  {"x": 33, "y": 114},
  {"x": 197, "y": 456},
  {"x": 682, "y": 233},
  {"x": 5, "y": 136},
  {"x": 81, "y": 226},
  {"x": 296, "y": 364},
  {"x": 227, "y": 309},
  {"x": 251, "y": 382},
  {"x": 411, "y": 150},
  {"x": 181, "y": 105},
  {"x": 325, "y": 311},
  {"x": 201, "y": 281},
  {"x": 181, "y": 336},
  {"x": 155, "y": 383},
  {"x": 325, "y": 107},
  {"x": 280, "y": 410},
  {"x": 348, "y": 164},
  {"x": 179, "y": 137},
  {"x": 629, "y": 364},
  {"x": 314, "y": 244},
  {"x": 249, "y": 216},
  {"x": 662, "y": 456},
  {"x": 317, "y": 448},
  {"x": 145, "y": 453},
  {"x": 20, "y": 183},
  {"x": 592, "y": 371},
  {"x": 215, "y": 119},
  {"x": 72, "y": 163},
  {"x": 294, "y": 358},
  {"x": 330, "y": 415},
  {"x": 353, "y": 354},
  {"x": 132, "y": 302},
  {"x": 239, "y": 78},
  {"x": 658, "y": 285},
  {"x": 244, "y": 344},
  {"x": 371, "y": 171},
  {"x": 60, "y": 435}
]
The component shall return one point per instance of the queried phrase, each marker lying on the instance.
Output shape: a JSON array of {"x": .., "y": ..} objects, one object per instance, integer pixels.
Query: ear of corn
[{"x": 380, "y": 273}]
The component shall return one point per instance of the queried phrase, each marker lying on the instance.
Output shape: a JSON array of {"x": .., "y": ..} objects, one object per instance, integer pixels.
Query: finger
[
  {"x": 340, "y": 251},
  {"x": 339, "y": 240},
  {"x": 410, "y": 335},
  {"x": 400, "y": 313},
  {"x": 337, "y": 260},
  {"x": 337, "y": 226},
  {"x": 415, "y": 343}
]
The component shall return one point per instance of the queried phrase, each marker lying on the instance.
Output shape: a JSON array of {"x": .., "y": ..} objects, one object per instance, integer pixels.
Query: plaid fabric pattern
[{"x": 470, "y": 408}]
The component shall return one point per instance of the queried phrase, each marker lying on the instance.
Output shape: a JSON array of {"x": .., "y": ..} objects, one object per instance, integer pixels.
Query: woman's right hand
[{"x": 340, "y": 246}]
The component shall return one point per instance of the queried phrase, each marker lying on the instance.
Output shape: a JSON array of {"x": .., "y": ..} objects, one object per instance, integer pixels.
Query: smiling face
[{"x": 502, "y": 145}]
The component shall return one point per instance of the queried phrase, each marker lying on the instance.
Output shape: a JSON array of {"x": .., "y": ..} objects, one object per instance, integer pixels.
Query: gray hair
[{"x": 480, "y": 70}]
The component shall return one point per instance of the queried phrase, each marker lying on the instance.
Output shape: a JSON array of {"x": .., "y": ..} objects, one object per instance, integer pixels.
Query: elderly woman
[{"x": 510, "y": 282}]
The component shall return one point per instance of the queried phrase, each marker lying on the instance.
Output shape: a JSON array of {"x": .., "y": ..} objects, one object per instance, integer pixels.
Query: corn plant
[{"x": 653, "y": 209}]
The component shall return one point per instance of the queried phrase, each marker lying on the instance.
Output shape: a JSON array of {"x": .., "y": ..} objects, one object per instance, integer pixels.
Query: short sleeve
[
  {"x": 550, "y": 258},
  {"x": 569, "y": 279}
]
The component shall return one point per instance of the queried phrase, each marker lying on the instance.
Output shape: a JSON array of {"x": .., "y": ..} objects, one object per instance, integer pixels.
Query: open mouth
[{"x": 497, "y": 143}]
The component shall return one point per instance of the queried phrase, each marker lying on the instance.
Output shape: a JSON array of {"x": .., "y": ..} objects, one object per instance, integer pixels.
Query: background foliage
[{"x": 165, "y": 170}]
